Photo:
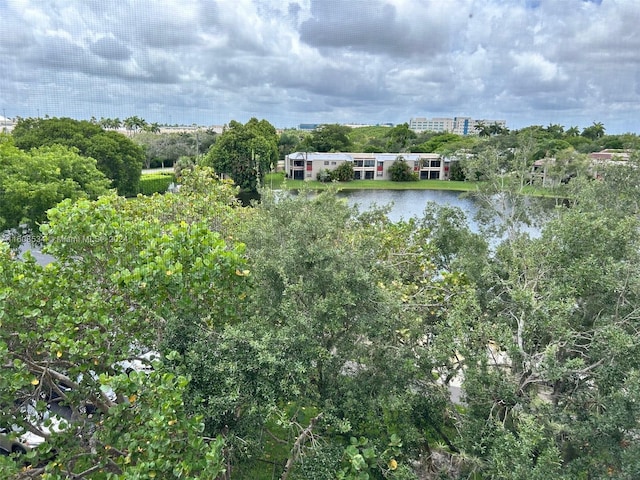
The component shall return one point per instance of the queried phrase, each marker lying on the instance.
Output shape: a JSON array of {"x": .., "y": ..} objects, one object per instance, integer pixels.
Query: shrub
[
  {"x": 155, "y": 183},
  {"x": 325, "y": 175},
  {"x": 344, "y": 172},
  {"x": 400, "y": 171}
]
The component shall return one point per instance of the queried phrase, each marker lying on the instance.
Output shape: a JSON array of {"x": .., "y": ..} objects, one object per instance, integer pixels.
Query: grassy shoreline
[{"x": 277, "y": 181}]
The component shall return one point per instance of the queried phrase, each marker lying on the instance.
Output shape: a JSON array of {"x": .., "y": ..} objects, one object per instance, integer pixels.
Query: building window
[
  {"x": 357, "y": 175},
  {"x": 369, "y": 163},
  {"x": 309, "y": 175},
  {"x": 380, "y": 173},
  {"x": 435, "y": 163},
  {"x": 298, "y": 163},
  {"x": 309, "y": 166},
  {"x": 368, "y": 175},
  {"x": 333, "y": 163},
  {"x": 434, "y": 175},
  {"x": 326, "y": 162},
  {"x": 358, "y": 163}
]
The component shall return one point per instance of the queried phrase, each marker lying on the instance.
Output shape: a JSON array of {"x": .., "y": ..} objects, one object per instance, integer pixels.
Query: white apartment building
[
  {"x": 422, "y": 124},
  {"x": 457, "y": 125},
  {"x": 366, "y": 166}
]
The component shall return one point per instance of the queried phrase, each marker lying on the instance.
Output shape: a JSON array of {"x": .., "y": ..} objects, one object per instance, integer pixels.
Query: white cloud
[
  {"x": 289, "y": 61},
  {"x": 533, "y": 67}
]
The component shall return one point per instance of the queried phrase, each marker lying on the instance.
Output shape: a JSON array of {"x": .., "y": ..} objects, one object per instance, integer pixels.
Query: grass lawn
[{"x": 277, "y": 181}]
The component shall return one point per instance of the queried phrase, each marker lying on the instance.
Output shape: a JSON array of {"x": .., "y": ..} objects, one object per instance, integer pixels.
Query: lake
[
  {"x": 408, "y": 203},
  {"x": 411, "y": 203}
]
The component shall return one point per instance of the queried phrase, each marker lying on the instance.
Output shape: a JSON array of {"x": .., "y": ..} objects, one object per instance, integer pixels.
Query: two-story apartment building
[{"x": 366, "y": 166}]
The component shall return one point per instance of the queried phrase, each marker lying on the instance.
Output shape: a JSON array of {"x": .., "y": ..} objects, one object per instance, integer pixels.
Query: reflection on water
[
  {"x": 408, "y": 203},
  {"x": 412, "y": 203}
]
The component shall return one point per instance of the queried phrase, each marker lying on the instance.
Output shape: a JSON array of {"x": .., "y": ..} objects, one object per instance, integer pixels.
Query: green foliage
[
  {"x": 117, "y": 156},
  {"x": 362, "y": 460},
  {"x": 33, "y": 182},
  {"x": 594, "y": 131},
  {"x": 369, "y": 139},
  {"x": 328, "y": 138},
  {"x": 438, "y": 142},
  {"x": 344, "y": 172},
  {"x": 456, "y": 174},
  {"x": 302, "y": 302},
  {"x": 289, "y": 141},
  {"x": 321, "y": 463},
  {"x": 401, "y": 171},
  {"x": 123, "y": 270},
  {"x": 141, "y": 432},
  {"x": 399, "y": 138},
  {"x": 155, "y": 183},
  {"x": 245, "y": 152},
  {"x": 548, "y": 400},
  {"x": 325, "y": 175},
  {"x": 164, "y": 149}
]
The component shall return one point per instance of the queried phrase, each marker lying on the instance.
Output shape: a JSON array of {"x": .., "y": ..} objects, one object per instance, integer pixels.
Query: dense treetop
[
  {"x": 33, "y": 182},
  {"x": 119, "y": 158},
  {"x": 245, "y": 152},
  {"x": 325, "y": 342}
]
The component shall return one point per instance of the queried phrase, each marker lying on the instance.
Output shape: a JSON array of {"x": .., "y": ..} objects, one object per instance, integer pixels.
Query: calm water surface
[
  {"x": 412, "y": 203},
  {"x": 408, "y": 203}
]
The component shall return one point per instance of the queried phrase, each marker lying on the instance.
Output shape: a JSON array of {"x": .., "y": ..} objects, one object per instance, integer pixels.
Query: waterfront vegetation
[
  {"x": 302, "y": 339},
  {"x": 278, "y": 181}
]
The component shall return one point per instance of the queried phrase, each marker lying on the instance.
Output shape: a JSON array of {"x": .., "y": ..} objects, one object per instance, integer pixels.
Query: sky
[{"x": 206, "y": 62}]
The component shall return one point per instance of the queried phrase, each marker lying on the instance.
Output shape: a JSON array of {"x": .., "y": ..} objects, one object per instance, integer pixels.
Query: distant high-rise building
[
  {"x": 308, "y": 126},
  {"x": 457, "y": 125}
]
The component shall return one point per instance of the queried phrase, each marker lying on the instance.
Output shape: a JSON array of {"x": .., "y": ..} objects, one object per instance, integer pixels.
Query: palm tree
[
  {"x": 594, "y": 132},
  {"x": 555, "y": 130},
  {"x": 134, "y": 124},
  {"x": 483, "y": 130},
  {"x": 496, "y": 129},
  {"x": 152, "y": 127},
  {"x": 572, "y": 132}
]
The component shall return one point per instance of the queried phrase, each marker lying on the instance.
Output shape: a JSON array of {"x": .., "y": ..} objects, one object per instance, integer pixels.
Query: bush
[
  {"x": 344, "y": 172},
  {"x": 155, "y": 183},
  {"x": 400, "y": 171},
  {"x": 325, "y": 176}
]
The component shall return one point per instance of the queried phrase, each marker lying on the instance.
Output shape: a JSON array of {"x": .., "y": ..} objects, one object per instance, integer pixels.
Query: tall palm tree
[
  {"x": 483, "y": 130},
  {"x": 572, "y": 132},
  {"x": 134, "y": 124}
]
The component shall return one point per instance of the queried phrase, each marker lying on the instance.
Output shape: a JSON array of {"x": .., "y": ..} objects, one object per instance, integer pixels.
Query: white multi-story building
[
  {"x": 366, "y": 166},
  {"x": 457, "y": 125},
  {"x": 422, "y": 124}
]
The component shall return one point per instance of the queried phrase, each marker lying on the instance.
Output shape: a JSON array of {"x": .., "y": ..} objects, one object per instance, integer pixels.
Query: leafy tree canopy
[
  {"x": 401, "y": 171},
  {"x": 123, "y": 269},
  {"x": 245, "y": 152},
  {"x": 329, "y": 138},
  {"x": 35, "y": 181},
  {"x": 117, "y": 156},
  {"x": 399, "y": 138}
]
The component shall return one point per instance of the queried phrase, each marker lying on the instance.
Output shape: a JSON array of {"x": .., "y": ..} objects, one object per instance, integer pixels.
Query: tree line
[
  {"x": 303, "y": 339},
  {"x": 245, "y": 153}
]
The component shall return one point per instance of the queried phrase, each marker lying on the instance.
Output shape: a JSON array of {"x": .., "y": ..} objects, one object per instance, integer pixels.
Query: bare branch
[{"x": 295, "y": 450}]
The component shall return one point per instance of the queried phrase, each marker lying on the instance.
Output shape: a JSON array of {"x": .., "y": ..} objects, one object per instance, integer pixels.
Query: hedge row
[{"x": 155, "y": 182}]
